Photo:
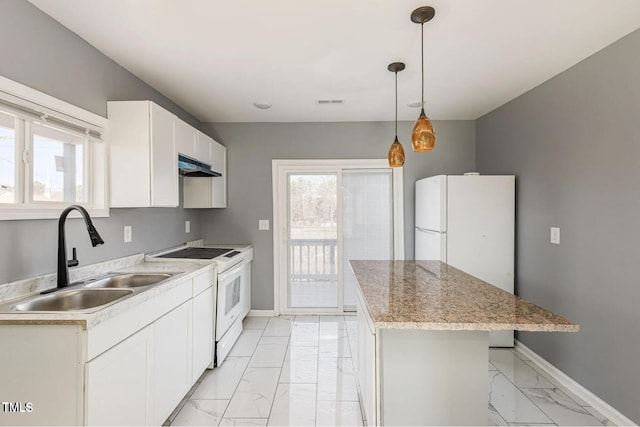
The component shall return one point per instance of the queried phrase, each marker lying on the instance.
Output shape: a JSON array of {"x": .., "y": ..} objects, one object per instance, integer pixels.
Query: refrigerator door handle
[{"x": 426, "y": 230}]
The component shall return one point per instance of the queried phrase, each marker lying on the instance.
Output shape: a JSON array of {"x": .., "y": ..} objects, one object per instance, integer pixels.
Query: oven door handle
[{"x": 238, "y": 268}]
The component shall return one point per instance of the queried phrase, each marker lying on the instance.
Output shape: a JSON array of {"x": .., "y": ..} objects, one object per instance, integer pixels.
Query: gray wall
[
  {"x": 29, "y": 248},
  {"x": 574, "y": 144},
  {"x": 252, "y": 146},
  {"x": 40, "y": 53}
]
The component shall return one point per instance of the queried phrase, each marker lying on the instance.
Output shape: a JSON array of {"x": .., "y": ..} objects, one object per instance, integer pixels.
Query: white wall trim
[
  {"x": 576, "y": 388},
  {"x": 261, "y": 313},
  {"x": 276, "y": 235}
]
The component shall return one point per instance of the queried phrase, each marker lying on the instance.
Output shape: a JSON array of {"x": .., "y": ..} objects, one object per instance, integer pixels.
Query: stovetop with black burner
[{"x": 200, "y": 253}]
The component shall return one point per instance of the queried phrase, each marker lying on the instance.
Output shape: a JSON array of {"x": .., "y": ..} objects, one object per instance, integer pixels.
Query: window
[
  {"x": 52, "y": 155},
  {"x": 57, "y": 166}
]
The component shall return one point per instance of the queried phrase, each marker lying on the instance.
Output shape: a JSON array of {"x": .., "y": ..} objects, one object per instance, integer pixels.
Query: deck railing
[{"x": 313, "y": 260}]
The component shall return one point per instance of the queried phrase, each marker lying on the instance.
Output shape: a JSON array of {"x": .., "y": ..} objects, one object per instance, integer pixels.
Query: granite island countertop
[{"x": 432, "y": 295}]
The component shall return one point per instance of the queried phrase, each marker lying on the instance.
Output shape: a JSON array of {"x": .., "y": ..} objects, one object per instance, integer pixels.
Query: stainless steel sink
[
  {"x": 129, "y": 280},
  {"x": 72, "y": 299}
]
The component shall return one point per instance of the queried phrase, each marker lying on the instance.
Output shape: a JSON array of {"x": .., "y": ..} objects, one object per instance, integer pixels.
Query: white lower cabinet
[
  {"x": 208, "y": 192},
  {"x": 245, "y": 294},
  {"x": 366, "y": 365},
  {"x": 171, "y": 361},
  {"x": 118, "y": 383},
  {"x": 131, "y": 369},
  {"x": 203, "y": 309},
  {"x": 42, "y": 374},
  {"x": 421, "y": 377}
]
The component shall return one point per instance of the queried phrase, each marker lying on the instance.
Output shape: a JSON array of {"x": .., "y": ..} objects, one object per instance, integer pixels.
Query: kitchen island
[{"x": 423, "y": 339}]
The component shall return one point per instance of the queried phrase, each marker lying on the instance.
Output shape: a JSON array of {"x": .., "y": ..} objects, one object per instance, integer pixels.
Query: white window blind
[{"x": 52, "y": 154}]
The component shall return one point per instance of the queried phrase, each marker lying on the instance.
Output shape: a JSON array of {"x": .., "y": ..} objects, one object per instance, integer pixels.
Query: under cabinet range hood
[{"x": 190, "y": 167}]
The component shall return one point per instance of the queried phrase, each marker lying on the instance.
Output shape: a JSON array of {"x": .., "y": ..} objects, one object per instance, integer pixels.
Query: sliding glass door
[
  {"x": 325, "y": 215},
  {"x": 313, "y": 240},
  {"x": 367, "y": 222}
]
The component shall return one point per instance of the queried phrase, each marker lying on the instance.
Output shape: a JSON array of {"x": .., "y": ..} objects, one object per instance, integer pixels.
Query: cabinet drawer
[
  {"x": 203, "y": 281},
  {"x": 112, "y": 331}
]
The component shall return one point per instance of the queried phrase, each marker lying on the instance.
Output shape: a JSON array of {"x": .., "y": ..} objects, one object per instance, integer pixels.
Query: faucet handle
[{"x": 74, "y": 260}]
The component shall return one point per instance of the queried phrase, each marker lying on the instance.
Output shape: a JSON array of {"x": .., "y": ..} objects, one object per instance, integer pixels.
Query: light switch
[
  {"x": 187, "y": 226},
  {"x": 127, "y": 233},
  {"x": 555, "y": 235},
  {"x": 263, "y": 224}
]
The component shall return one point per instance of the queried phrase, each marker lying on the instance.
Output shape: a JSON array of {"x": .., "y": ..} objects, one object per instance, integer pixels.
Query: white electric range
[{"x": 233, "y": 294}]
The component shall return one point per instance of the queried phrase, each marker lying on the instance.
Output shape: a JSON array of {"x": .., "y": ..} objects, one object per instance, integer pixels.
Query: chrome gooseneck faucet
[{"x": 63, "y": 264}]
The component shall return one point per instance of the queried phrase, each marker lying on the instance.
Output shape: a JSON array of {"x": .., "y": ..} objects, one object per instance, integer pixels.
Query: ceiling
[{"x": 215, "y": 58}]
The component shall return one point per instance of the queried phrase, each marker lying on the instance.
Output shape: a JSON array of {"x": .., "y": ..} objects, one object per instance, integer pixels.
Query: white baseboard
[
  {"x": 594, "y": 401},
  {"x": 260, "y": 313}
]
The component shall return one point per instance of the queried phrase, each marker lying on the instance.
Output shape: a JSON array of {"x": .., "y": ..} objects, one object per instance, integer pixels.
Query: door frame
[{"x": 279, "y": 170}]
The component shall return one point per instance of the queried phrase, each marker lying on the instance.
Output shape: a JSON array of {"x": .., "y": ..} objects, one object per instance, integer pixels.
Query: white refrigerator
[{"x": 468, "y": 221}]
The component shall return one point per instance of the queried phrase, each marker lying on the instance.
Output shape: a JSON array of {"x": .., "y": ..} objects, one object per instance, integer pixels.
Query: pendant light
[
  {"x": 423, "y": 137},
  {"x": 396, "y": 152}
]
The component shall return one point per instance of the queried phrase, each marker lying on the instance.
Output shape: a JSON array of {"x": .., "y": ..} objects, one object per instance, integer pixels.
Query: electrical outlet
[
  {"x": 128, "y": 233},
  {"x": 263, "y": 224},
  {"x": 187, "y": 226},
  {"x": 555, "y": 235}
]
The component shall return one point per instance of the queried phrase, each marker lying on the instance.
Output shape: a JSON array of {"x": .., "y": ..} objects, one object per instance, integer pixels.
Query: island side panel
[{"x": 433, "y": 377}]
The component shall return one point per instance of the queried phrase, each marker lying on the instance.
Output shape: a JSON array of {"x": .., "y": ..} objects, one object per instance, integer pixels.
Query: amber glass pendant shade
[
  {"x": 396, "y": 154},
  {"x": 423, "y": 137}
]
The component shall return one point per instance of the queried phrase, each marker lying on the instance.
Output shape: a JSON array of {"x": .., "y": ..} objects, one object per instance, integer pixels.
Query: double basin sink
[{"x": 93, "y": 293}]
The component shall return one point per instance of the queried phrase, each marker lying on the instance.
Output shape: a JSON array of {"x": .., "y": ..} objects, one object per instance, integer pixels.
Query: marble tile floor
[{"x": 298, "y": 371}]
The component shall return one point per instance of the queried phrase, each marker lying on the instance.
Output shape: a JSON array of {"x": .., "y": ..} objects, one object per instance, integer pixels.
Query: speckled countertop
[
  {"x": 432, "y": 295},
  {"x": 93, "y": 317}
]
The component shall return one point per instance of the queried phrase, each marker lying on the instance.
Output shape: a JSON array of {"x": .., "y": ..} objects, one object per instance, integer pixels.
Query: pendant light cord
[
  {"x": 422, "y": 60},
  {"x": 396, "y": 73}
]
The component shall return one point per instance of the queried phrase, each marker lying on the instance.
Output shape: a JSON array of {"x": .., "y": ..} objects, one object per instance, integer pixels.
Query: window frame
[
  {"x": 16, "y": 171},
  {"x": 64, "y": 116}
]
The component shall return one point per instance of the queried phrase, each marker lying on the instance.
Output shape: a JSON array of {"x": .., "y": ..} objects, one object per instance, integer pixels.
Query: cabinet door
[
  {"x": 172, "y": 361},
  {"x": 366, "y": 366},
  {"x": 164, "y": 161},
  {"x": 202, "y": 332},
  {"x": 186, "y": 138},
  {"x": 219, "y": 184},
  {"x": 245, "y": 295},
  {"x": 203, "y": 148},
  {"x": 117, "y": 383},
  {"x": 369, "y": 395}
]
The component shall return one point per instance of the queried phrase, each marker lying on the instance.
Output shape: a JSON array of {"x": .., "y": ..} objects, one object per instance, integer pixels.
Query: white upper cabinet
[
  {"x": 219, "y": 184},
  {"x": 203, "y": 148},
  {"x": 209, "y": 192},
  {"x": 145, "y": 142},
  {"x": 142, "y": 151},
  {"x": 186, "y": 138}
]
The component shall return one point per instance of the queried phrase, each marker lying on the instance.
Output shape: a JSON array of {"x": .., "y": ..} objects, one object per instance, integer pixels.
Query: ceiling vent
[{"x": 330, "y": 101}]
